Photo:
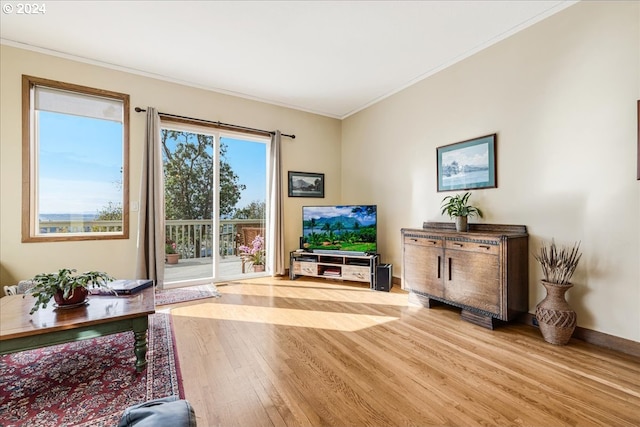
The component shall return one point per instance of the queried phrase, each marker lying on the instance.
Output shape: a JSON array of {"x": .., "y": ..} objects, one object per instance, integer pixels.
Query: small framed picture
[
  {"x": 306, "y": 184},
  {"x": 468, "y": 164}
]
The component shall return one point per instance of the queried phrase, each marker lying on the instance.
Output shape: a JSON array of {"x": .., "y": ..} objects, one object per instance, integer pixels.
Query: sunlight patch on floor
[
  {"x": 316, "y": 291},
  {"x": 346, "y": 322}
]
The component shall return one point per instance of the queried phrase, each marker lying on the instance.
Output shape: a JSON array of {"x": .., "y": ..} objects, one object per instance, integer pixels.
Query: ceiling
[{"x": 332, "y": 58}]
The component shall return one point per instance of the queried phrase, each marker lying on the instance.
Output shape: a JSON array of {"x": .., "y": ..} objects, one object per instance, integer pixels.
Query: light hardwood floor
[{"x": 310, "y": 352}]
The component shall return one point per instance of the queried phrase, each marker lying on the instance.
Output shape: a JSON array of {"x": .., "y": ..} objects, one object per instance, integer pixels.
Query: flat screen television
[{"x": 345, "y": 228}]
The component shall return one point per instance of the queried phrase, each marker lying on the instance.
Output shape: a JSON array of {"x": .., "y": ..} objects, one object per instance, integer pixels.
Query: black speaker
[{"x": 384, "y": 278}]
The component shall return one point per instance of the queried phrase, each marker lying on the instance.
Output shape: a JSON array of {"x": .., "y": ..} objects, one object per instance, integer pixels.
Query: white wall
[
  {"x": 561, "y": 95},
  {"x": 315, "y": 149}
]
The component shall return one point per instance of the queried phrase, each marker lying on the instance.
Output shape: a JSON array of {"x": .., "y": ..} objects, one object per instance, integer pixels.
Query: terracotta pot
[
  {"x": 556, "y": 318},
  {"x": 258, "y": 268},
  {"x": 78, "y": 296},
  {"x": 172, "y": 258}
]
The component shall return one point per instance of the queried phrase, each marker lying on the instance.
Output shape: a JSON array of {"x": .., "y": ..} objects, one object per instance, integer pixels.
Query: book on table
[{"x": 128, "y": 286}]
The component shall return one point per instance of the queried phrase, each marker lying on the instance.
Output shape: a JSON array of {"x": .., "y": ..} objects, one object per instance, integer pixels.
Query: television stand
[{"x": 357, "y": 268}]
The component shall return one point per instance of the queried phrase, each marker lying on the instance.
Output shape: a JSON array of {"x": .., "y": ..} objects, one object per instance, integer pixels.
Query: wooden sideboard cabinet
[{"x": 483, "y": 271}]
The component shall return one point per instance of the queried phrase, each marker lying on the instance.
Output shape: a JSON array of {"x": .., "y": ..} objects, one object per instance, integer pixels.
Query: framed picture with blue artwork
[{"x": 468, "y": 164}]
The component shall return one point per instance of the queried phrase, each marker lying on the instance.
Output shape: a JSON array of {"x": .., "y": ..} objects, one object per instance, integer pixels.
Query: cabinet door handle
[
  {"x": 439, "y": 266},
  {"x": 458, "y": 245},
  {"x": 484, "y": 247},
  {"x": 449, "y": 268},
  {"x": 433, "y": 242}
]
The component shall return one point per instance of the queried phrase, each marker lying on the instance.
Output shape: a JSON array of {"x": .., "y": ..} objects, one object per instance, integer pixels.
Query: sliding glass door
[
  {"x": 215, "y": 204},
  {"x": 242, "y": 213}
]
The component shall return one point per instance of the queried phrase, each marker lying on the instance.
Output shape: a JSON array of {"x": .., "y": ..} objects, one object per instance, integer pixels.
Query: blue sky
[
  {"x": 84, "y": 177},
  {"x": 248, "y": 160},
  {"x": 68, "y": 169}
]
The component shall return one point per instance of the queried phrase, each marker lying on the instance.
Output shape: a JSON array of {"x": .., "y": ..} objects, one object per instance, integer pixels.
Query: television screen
[{"x": 350, "y": 228}]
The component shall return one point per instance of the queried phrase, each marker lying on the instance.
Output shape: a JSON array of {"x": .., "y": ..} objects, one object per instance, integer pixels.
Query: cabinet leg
[
  {"x": 418, "y": 299},
  {"x": 479, "y": 319}
]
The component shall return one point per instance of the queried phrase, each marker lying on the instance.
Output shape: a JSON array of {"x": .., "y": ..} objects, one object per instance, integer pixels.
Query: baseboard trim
[{"x": 600, "y": 339}]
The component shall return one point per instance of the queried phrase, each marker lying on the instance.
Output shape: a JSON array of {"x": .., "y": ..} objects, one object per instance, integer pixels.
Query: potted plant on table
[
  {"x": 255, "y": 254},
  {"x": 457, "y": 206},
  {"x": 170, "y": 252},
  {"x": 556, "y": 319},
  {"x": 66, "y": 288}
]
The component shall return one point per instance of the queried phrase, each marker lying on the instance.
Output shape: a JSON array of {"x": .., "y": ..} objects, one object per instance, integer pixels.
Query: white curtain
[
  {"x": 275, "y": 244},
  {"x": 151, "y": 233}
]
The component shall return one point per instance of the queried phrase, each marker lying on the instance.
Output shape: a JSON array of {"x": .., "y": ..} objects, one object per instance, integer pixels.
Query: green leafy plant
[
  {"x": 169, "y": 246},
  {"x": 46, "y": 285},
  {"x": 458, "y": 206},
  {"x": 558, "y": 265}
]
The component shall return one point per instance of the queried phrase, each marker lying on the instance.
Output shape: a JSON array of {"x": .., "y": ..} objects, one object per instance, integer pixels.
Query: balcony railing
[
  {"x": 193, "y": 238},
  {"x": 47, "y": 227}
]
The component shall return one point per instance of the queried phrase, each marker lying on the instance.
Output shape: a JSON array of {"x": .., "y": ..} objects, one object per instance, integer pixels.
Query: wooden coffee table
[{"x": 102, "y": 315}]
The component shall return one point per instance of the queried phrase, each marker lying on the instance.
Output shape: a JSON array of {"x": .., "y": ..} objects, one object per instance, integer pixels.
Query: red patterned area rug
[
  {"x": 173, "y": 296},
  {"x": 89, "y": 382}
]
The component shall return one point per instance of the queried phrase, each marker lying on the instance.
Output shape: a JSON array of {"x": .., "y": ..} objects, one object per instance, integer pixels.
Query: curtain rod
[{"x": 220, "y": 124}]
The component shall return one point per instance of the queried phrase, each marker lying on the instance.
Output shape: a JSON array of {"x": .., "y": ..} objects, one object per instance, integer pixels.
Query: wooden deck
[{"x": 196, "y": 268}]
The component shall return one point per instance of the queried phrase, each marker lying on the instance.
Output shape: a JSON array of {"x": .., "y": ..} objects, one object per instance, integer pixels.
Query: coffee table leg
[{"x": 140, "y": 327}]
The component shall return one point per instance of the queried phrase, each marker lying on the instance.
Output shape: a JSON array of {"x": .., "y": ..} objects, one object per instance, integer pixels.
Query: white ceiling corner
[{"x": 332, "y": 58}]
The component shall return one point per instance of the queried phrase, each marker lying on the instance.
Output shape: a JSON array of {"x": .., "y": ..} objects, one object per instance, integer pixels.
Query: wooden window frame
[{"x": 29, "y": 231}]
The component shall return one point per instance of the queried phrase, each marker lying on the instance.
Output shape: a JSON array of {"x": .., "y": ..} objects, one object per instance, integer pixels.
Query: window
[{"x": 75, "y": 147}]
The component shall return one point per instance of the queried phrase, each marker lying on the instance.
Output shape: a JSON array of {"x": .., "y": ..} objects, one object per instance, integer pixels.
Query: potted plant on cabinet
[
  {"x": 255, "y": 253},
  {"x": 66, "y": 288},
  {"x": 171, "y": 255},
  {"x": 556, "y": 319},
  {"x": 457, "y": 206}
]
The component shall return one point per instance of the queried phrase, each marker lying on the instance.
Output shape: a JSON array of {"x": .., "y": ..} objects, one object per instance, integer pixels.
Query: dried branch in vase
[{"x": 558, "y": 265}]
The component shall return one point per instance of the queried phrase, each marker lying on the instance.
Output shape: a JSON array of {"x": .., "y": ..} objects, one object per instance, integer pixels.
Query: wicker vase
[{"x": 556, "y": 318}]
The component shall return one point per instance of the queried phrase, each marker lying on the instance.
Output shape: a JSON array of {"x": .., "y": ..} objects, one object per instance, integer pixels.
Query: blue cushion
[{"x": 165, "y": 412}]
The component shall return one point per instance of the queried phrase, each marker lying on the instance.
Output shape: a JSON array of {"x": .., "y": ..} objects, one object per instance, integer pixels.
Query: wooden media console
[{"x": 358, "y": 268}]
